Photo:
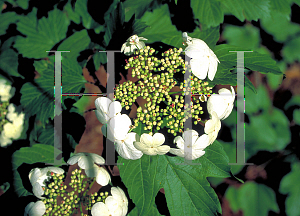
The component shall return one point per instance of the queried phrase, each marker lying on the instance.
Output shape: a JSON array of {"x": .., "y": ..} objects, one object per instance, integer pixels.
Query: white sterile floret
[
  {"x": 116, "y": 130},
  {"x": 11, "y": 115},
  {"x": 126, "y": 149},
  {"x": 101, "y": 175},
  {"x": 86, "y": 160},
  {"x": 117, "y": 127},
  {"x": 221, "y": 103},
  {"x": 6, "y": 91},
  {"x": 203, "y": 59},
  {"x": 35, "y": 209},
  {"x": 152, "y": 145},
  {"x": 115, "y": 205},
  {"x": 38, "y": 176},
  {"x": 190, "y": 145},
  {"x": 134, "y": 42},
  {"x": 212, "y": 127},
  {"x": 106, "y": 109}
]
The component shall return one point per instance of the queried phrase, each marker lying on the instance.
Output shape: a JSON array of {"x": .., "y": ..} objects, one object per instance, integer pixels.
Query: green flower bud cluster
[
  {"x": 156, "y": 90},
  {"x": 3, "y": 112},
  {"x": 93, "y": 198},
  {"x": 154, "y": 84},
  {"x": 70, "y": 200},
  {"x": 127, "y": 93},
  {"x": 142, "y": 63},
  {"x": 197, "y": 86},
  {"x": 172, "y": 61}
]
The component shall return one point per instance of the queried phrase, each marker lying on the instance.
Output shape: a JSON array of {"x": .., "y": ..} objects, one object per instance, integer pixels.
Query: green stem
[{"x": 90, "y": 186}]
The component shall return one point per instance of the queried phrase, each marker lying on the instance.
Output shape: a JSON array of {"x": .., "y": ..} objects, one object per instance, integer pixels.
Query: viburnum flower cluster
[
  {"x": 160, "y": 83},
  {"x": 11, "y": 122},
  {"x": 58, "y": 198},
  {"x": 6, "y": 91}
]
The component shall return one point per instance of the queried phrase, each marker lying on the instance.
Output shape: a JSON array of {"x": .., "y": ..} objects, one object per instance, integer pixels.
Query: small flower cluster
[
  {"x": 53, "y": 194},
  {"x": 11, "y": 122},
  {"x": 155, "y": 88},
  {"x": 127, "y": 93},
  {"x": 163, "y": 107},
  {"x": 56, "y": 189},
  {"x": 197, "y": 87},
  {"x": 48, "y": 184}
]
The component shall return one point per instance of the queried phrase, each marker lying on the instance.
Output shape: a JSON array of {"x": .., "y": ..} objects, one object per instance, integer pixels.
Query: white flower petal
[
  {"x": 123, "y": 47},
  {"x": 177, "y": 152},
  {"x": 114, "y": 108},
  {"x": 37, "y": 190},
  {"x": 101, "y": 116},
  {"x": 104, "y": 132},
  {"x": 118, "y": 127},
  {"x": 203, "y": 61},
  {"x": 179, "y": 142},
  {"x": 119, "y": 195},
  {"x": 126, "y": 149},
  {"x": 100, "y": 209},
  {"x": 146, "y": 139},
  {"x": 151, "y": 151},
  {"x": 28, "y": 208},
  {"x": 142, "y": 38},
  {"x": 74, "y": 159},
  {"x": 199, "y": 67},
  {"x": 221, "y": 103},
  {"x": 85, "y": 162},
  {"x": 161, "y": 150},
  {"x": 140, "y": 44},
  {"x": 209, "y": 126},
  {"x": 102, "y": 104},
  {"x": 112, "y": 204},
  {"x": 202, "y": 142},
  {"x": 140, "y": 146},
  {"x": 97, "y": 158},
  {"x": 34, "y": 175},
  {"x": 92, "y": 171},
  {"x": 195, "y": 154},
  {"x": 190, "y": 137},
  {"x": 213, "y": 65},
  {"x": 38, "y": 209},
  {"x": 158, "y": 139},
  {"x": 103, "y": 177}
]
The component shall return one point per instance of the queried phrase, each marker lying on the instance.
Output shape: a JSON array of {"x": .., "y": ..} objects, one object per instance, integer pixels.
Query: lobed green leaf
[
  {"x": 208, "y": 12},
  {"x": 41, "y": 35},
  {"x": 186, "y": 188},
  {"x": 30, "y": 155},
  {"x": 75, "y": 44}
]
